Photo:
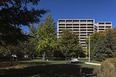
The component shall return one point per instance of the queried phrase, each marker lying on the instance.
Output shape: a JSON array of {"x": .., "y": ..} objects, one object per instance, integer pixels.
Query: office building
[{"x": 82, "y": 26}]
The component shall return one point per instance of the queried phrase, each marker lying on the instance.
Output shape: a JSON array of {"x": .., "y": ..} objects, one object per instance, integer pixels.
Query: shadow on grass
[
  {"x": 7, "y": 64},
  {"x": 45, "y": 69}
]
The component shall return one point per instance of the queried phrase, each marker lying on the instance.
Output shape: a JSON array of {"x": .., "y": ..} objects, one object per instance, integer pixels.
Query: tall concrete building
[
  {"x": 101, "y": 26},
  {"x": 82, "y": 26}
]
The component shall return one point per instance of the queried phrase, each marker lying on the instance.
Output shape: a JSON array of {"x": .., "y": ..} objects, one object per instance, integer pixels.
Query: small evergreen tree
[
  {"x": 107, "y": 49},
  {"x": 98, "y": 49}
]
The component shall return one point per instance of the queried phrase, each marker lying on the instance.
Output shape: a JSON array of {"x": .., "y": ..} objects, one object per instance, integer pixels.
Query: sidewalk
[{"x": 75, "y": 60}]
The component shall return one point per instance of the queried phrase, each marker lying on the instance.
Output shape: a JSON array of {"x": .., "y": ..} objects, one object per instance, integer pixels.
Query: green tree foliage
[
  {"x": 27, "y": 48},
  {"x": 19, "y": 49},
  {"x": 13, "y": 15},
  {"x": 33, "y": 30},
  {"x": 70, "y": 45},
  {"x": 109, "y": 47},
  {"x": 97, "y": 50},
  {"x": 93, "y": 40},
  {"x": 32, "y": 40},
  {"x": 47, "y": 36},
  {"x": 33, "y": 35},
  {"x": 85, "y": 51}
]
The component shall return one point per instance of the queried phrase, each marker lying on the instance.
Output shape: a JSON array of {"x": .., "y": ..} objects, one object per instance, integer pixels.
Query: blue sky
[{"x": 100, "y": 10}]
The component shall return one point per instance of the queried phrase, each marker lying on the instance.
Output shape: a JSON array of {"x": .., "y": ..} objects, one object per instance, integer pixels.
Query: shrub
[
  {"x": 96, "y": 70},
  {"x": 107, "y": 68}
]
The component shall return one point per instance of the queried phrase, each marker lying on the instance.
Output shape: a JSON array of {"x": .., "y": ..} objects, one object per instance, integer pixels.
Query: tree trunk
[
  {"x": 11, "y": 58},
  {"x": 43, "y": 55}
]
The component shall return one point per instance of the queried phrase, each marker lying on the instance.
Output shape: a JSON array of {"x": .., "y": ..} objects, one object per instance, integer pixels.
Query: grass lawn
[{"x": 40, "y": 68}]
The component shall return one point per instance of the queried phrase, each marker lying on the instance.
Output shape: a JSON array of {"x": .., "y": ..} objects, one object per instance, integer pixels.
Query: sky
[{"x": 100, "y": 10}]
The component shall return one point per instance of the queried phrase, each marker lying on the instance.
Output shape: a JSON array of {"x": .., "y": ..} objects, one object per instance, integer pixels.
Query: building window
[
  {"x": 108, "y": 26},
  {"x": 101, "y": 26},
  {"x": 108, "y": 23},
  {"x": 101, "y": 22}
]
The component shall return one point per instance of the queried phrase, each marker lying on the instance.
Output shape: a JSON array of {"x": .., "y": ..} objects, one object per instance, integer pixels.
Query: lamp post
[
  {"x": 86, "y": 51},
  {"x": 89, "y": 47}
]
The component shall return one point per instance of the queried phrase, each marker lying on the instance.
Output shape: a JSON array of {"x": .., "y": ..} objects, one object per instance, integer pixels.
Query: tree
[
  {"x": 70, "y": 45},
  {"x": 85, "y": 51},
  {"x": 47, "y": 36},
  {"x": 16, "y": 47},
  {"x": 112, "y": 30},
  {"x": 32, "y": 39},
  {"x": 93, "y": 40},
  {"x": 13, "y": 15},
  {"x": 109, "y": 47},
  {"x": 97, "y": 50},
  {"x": 11, "y": 41},
  {"x": 106, "y": 31},
  {"x": 33, "y": 33}
]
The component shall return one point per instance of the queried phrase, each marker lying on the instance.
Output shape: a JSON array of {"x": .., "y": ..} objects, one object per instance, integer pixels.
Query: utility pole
[
  {"x": 89, "y": 48},
  {"x": 86, "y": 51}
]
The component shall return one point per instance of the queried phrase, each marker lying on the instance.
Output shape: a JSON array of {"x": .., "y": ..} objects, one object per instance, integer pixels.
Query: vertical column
[
  {"x": 98, "y": 27},
  {"x": 111, "y": 24},
  {"x": 86, "y": 36},
  {"x": 72, "y": 25},
  {"x": 104, "y": 25},
  {"x": 93, "y": 27},
  {"x": 79, "y": 30},
  {"x": 86, "y": 28},
  {"x": 89, "y": 47}
]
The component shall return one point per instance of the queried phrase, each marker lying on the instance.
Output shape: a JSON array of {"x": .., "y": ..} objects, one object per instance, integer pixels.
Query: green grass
[
  {"x": 86, "y": 60},
  {"x": 40, "y": 68}
]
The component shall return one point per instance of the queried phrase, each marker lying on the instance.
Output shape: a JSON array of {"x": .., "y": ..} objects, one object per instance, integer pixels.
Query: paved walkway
[{"x": 75, "y": 60}]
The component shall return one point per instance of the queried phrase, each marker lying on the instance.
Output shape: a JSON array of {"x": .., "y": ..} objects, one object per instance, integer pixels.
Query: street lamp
[
  {"x": 89, "y": 48},
  {"x": 86, "y": 51}
]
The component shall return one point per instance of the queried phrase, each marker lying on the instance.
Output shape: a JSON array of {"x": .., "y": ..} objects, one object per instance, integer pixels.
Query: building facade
[{"x": 82, "y": 26}]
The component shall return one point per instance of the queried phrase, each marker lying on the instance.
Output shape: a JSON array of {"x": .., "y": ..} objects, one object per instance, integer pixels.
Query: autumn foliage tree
[{"x": 112, "y": 30}]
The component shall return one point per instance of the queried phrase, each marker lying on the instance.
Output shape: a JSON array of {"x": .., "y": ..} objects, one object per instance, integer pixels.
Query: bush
[
  {"x": 107, "y": 68},
  {"x": 96, "y": 70}
]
